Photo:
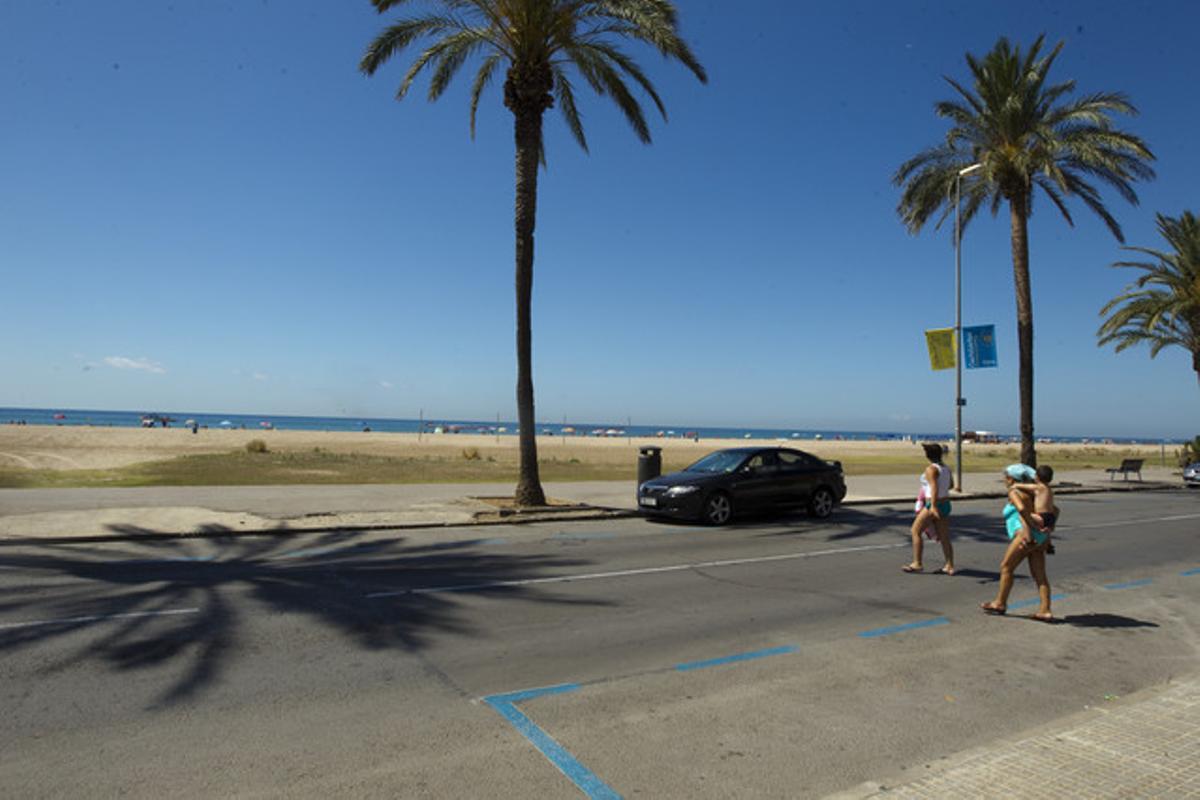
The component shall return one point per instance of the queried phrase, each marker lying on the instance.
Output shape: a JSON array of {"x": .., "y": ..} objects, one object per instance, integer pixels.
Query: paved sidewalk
[
  {"x": 1140, "y": 747},
  {"x": 220, "y": 510}
]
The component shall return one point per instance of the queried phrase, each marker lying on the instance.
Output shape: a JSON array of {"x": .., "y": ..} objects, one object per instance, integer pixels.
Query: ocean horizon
[{"x": 135, "y": 419}]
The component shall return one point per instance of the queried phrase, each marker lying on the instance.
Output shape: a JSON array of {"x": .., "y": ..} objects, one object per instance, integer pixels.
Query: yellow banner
[{"x": 942, "y": 351}]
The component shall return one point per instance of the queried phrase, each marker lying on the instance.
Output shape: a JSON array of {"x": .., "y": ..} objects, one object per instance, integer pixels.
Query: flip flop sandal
[
  {"x": 909, "y": 568},
  {"x": 988, "y": 608}
]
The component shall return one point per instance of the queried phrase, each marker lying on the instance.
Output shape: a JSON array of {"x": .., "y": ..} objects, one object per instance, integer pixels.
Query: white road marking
[
  {"x": 97, "y": 618},
  {"x": 473, "y": 587},
  {"x": 1176, "y": 518},
  {"x": 625, "y": 573}
]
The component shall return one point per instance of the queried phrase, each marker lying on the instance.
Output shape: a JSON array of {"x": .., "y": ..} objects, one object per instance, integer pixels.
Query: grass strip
[{"x": 318, "y": 466}]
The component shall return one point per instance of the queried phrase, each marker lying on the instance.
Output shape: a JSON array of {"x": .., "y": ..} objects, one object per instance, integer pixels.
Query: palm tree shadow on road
[{"x": 145, "y": 603}]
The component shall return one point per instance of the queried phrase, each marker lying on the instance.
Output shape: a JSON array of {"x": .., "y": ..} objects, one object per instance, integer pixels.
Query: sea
[{"x": 204, "y": 419}]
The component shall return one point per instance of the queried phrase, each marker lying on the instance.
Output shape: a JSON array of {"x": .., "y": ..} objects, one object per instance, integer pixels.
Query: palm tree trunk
[
  {"x": 1019, "y": 221},
  {"x": 528, "y": 133}
]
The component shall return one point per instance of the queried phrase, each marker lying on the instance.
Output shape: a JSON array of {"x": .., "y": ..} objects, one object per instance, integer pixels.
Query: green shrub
[
  {"x": 256, "y": 446},
  {"x": 1190, "y": 452}
]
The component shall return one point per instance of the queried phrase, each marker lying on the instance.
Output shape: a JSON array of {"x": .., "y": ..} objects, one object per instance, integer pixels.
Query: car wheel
[
  {"x": 718, "y": 508},
  {"x": 820, "y": 505}
]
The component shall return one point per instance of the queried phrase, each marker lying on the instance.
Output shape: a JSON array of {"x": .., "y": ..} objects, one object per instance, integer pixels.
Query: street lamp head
[{"x": 969, "y": 170}]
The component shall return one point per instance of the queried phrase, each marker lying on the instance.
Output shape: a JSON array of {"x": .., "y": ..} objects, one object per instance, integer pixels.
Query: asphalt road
[{"x": 776, "y": 658}]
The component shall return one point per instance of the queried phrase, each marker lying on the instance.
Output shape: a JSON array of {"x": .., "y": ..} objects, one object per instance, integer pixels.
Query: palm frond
[
  {"x": 483, "y": 77},
  {"x": 538, "y": 38},
  {"x": 396, "y": 38},
  {"x": 1162, "y": 307},
  {"x": 1031, "y": 134},
  {"x": 564, "y": 92},
  {"x": 453, "y": 53}
]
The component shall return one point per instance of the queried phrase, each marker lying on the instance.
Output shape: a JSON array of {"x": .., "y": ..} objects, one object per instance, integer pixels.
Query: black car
[{"x": 745, "y": 479}]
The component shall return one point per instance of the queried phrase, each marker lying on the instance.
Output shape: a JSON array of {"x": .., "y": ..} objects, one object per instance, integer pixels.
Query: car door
[
  {"x": 798, "y": 475},
  {"x": 757, "y": 484}
]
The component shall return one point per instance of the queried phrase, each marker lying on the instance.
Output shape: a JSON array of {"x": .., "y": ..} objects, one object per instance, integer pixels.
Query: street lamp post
[{"x": 958, "y": 355}]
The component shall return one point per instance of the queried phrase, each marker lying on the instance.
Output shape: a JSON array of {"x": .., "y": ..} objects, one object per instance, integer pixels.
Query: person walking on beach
[
  {"x": 936, "y": 483},
  {"x": 1026, "y": 540}
]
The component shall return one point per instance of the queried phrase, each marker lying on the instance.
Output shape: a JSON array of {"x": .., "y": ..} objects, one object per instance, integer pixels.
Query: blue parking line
[
  {"x": 1129, "y": 584},
  {"x": 716, "y": 662},
  {"x": 1191, "y": 572},
  {"x": 900, "y": 628},
  {"x": 581, "y": 776},
  {"x": 1035, "y": 601}
]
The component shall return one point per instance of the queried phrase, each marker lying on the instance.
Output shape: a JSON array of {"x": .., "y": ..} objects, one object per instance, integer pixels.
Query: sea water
[{"x": 134, "y": 419}]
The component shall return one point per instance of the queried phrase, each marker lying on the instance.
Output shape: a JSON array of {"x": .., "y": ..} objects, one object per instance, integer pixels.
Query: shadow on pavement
[
  {"x": 145, "y": 604},
  {"x": 849, "y": 523},
  {"x": 1106, "y": 621},
  {"x": 852, "y": 523}
]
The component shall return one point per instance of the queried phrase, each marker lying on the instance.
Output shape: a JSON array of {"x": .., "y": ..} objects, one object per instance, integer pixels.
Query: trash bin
[{"x": 649, "y": 464}]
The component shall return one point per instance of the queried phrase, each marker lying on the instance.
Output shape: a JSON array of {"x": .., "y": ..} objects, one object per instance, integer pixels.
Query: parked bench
[{"x": 1128, "y": 465}]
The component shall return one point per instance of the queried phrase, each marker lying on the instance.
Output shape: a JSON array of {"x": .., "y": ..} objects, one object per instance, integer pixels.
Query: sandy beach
[{"x": 80, "y": 447}]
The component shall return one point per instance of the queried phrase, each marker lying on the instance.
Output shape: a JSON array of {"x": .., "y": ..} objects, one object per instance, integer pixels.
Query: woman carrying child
[{"x": 1027, "y": 539}]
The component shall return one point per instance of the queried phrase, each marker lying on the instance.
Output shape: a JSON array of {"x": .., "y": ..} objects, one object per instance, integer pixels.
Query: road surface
[{"x": 775, "y": 658}]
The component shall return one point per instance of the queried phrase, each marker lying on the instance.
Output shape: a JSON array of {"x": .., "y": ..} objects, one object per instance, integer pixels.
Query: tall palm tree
[
  {"x": 535, "y": 41},
  {"x": 1027, "y": 135},
  {"x": 1162, "y": 307}
]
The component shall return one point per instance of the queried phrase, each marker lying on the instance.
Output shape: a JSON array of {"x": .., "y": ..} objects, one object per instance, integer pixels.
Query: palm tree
[
  {"x": 536, "y": 41},
  {"x": 1027, "y": 135},
  {"x": 1162, "y": 307}
]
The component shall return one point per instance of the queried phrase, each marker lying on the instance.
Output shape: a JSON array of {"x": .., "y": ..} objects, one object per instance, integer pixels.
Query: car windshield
[{"x": 721, "y": 461}]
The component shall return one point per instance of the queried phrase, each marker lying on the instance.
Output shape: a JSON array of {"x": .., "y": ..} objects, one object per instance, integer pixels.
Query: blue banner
[{"x": 979, "y": 346}]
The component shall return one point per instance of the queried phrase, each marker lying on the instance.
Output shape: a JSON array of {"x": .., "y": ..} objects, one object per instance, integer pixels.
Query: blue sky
[{"x": 205, "y": 206}]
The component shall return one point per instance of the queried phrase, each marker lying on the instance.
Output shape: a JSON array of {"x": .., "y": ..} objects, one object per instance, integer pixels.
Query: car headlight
[{"x": 676, "y": 491}]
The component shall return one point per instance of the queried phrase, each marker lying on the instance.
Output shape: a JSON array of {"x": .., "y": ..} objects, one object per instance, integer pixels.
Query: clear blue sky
[{"x": 205, "y": 206}]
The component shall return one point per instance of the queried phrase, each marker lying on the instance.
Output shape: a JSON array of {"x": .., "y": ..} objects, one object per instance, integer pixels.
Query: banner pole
[{"x": 958, "y": 356}]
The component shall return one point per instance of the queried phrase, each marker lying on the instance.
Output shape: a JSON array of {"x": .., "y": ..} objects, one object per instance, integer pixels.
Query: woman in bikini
[
  {"x": 1026, "y": 540},
  {"x": 936, "y": 482}
]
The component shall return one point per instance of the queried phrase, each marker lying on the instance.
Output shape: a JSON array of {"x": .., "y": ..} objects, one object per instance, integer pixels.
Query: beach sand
[{"x": 81, "y": 447}]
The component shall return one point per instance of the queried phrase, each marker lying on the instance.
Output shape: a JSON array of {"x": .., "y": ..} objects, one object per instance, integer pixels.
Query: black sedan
[{"x": 745, "y": 479}]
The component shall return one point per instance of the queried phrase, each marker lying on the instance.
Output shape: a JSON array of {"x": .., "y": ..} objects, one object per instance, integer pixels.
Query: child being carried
[{"x": 1045, "y": 512}]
